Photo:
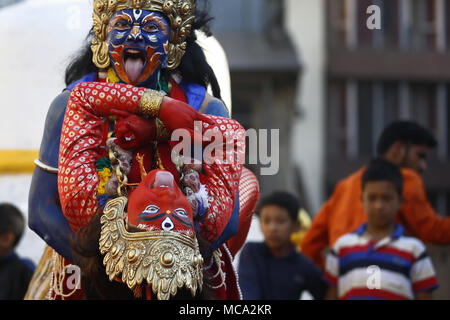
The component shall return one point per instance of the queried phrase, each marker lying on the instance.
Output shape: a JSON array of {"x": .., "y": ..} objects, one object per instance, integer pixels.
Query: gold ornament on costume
[
  {"x": 167, "y": 260},
  {"x": 161, "y": 131},
  {"x": 150, "y": 102},
  {"x": 180, "y": 13}
]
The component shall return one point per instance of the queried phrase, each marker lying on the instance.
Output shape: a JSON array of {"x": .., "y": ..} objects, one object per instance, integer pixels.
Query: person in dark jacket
[
  {"x": 15, "y": 272},
  {"x": 273, "y": 269}
]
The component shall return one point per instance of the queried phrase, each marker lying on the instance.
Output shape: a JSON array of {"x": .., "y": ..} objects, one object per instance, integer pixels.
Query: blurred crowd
[{"x": 366, "y": 242}]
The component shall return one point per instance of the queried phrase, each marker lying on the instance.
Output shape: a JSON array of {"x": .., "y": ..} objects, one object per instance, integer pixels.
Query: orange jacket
[{"x": 343, "y": 213}]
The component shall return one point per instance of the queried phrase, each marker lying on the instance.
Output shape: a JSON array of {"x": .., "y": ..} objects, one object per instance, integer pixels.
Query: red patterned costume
[
  {"x": 108, "y": 144},
  {"x": 83, "y": 142}
]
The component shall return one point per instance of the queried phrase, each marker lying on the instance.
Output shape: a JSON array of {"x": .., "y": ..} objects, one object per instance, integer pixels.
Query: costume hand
[
  {"x": 191, "y": 183},
  {"x": 179, "y": 115},
  {"x": 191, "y": 180},
  {"x": 134, "y": 132},
  {"x": 190, "y": 196}
]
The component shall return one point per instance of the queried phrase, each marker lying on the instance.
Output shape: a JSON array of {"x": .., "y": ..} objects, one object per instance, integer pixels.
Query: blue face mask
[{"x": 138, "y": 46}]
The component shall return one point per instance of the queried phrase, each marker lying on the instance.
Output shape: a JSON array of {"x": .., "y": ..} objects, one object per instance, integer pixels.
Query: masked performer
[{"x": 157, "y": 223}]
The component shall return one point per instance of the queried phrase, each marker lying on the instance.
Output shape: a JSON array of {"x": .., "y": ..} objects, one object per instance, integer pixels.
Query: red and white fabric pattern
[{"x": 83, "y": 142}]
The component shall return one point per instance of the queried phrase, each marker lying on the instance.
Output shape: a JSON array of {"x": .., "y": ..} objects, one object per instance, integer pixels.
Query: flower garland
[{"x": 104, "y": 170}]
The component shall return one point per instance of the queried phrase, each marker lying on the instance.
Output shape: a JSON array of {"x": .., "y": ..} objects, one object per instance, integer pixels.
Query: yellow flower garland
[
  {"x": 112, "y": 77},
  {"x": 104, "y": 176}
]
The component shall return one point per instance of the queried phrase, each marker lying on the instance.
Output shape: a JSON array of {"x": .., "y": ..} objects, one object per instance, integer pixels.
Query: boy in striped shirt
[{"x": 377, "y": 261}]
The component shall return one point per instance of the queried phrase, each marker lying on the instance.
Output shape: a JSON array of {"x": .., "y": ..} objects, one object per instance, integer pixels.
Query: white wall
[
  {"x": 38, "y": 39},
  {"x": 305, "y": 22}
]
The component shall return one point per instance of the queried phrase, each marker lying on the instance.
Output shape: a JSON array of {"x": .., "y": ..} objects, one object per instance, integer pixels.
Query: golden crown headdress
[{"x": 181, "y": 15}]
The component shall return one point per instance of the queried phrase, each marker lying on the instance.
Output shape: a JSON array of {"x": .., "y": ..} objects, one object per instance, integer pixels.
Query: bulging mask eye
[
  {"x": 182, "y": 213},
  {"x": 151, "y": 209}
]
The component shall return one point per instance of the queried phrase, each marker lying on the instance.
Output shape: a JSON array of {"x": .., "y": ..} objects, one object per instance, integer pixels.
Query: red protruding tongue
[{"x": 133, "y": 68}]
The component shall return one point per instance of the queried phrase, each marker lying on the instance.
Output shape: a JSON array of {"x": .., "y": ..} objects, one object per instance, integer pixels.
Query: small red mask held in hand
[{"x": 158, "y": 204}]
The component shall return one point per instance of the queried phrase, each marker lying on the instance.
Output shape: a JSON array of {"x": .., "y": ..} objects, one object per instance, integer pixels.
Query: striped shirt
[{"x": 394, "y": 268}]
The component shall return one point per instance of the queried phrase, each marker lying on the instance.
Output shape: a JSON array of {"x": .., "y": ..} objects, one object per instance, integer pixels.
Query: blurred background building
[
  {"x": 316, "y": 71},
  {"x": 4, "y": 3},
  {"x": 311, "y": 68}
]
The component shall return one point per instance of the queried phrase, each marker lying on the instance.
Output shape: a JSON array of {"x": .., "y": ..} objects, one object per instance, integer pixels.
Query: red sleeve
[
  {"x": 418, "y": 216},
  {"x": 222, "y": 173},
  {"x": 82, "y": 144},
  {"x": 83, "y": 135}
]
